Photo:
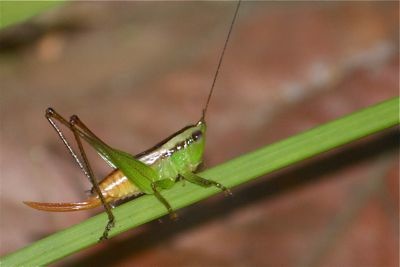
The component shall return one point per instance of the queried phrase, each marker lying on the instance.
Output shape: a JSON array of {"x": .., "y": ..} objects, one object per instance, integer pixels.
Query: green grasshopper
[{"x": 156, "y": 169}]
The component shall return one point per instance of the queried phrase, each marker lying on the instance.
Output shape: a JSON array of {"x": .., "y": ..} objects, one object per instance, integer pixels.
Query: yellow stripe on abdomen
[{"x": 116, "y": 186}]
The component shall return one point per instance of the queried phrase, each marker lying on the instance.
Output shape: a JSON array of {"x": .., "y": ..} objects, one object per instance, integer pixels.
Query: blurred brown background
[{"x": 136, "y": 72}]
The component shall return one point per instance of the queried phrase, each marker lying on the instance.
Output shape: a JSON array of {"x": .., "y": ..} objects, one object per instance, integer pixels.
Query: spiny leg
[
  {"x": 111, "y": 219},
  {"x": 86, "y": 131},
  {"x": 194, "y": 178},
  {"x": 85, "y": 166},
  {"x": 52, "y": 114},
  {"x": 82, "y": 130},
  {"x": 171, "y": 212}
]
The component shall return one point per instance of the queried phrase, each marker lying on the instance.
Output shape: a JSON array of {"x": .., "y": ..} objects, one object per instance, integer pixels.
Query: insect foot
[
  {"x": 228, "y": 192},
  {"x": 109, "y": 226},
  {"x": 173, "y": 216},
  {"x": 224, "y": 189}
]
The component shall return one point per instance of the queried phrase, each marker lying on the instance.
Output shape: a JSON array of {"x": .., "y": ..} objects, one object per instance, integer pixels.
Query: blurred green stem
[{"x": 12, "y": 12}]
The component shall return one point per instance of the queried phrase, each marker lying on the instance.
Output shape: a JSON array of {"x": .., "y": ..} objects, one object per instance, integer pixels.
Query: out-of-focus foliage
[{"x": 12, "y": 12}]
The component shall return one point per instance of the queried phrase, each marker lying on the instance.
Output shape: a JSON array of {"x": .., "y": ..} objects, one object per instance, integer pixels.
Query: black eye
[{"x": 196, "y": 135}]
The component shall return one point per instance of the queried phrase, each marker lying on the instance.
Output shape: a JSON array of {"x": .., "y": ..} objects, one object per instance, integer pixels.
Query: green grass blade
[{"x": 232, "y": 173}]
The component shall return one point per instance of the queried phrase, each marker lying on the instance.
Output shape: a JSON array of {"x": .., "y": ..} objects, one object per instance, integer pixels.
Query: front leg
[{"x": 164, "y": 184}]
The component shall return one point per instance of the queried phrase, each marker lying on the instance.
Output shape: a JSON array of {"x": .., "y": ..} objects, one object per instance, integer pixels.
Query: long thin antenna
[{"x": 220, "y": 62}]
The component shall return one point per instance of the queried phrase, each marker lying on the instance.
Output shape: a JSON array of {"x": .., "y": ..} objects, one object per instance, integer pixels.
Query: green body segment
[
  {"x": 176, "y": 155},
  {"x": 162, "y": 164}
]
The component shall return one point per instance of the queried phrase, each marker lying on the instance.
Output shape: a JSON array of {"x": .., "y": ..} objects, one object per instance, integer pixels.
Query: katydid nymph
[{"x": 158, "y": 168}]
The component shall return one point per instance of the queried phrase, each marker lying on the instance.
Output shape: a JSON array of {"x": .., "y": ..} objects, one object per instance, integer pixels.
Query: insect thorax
[{"x": 179, "y": 153}]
